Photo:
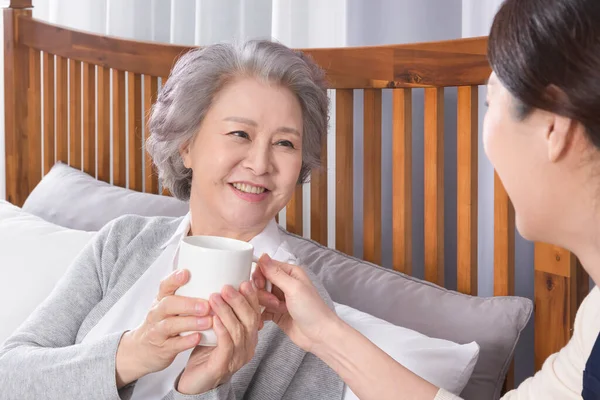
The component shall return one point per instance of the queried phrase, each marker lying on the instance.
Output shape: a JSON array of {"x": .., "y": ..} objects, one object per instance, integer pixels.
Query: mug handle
[{"x": 268, "y": 285}]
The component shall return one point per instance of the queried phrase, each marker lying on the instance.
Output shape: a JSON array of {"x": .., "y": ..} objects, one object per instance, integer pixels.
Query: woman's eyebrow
[{"x": 250, "y": 122}]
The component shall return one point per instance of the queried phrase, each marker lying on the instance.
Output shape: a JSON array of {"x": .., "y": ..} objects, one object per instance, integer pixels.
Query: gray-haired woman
[{"x": 234, "y": 130}]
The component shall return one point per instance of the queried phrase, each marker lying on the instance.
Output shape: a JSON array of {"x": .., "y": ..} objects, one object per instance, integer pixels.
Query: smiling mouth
[{"x": 243, "y": 187}]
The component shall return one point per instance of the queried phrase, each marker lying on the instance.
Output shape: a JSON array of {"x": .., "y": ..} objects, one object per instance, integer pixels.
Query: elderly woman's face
[{"x": 247, "y": 155}]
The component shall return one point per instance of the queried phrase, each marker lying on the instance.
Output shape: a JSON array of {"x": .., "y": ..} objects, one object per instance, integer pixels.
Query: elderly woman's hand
[
  {"x": 236, "y": 323},
  {"x": 294, "y": 304},
  {"x": 156, "y": 342}
]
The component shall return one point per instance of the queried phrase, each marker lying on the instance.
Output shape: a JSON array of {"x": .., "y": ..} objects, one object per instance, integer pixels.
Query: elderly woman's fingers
[
  {"x": 178, "y": 305},
  {"x": 237, "y": 314},
  {"x": 251, "y": 295},
  {"x": 173, "y": 326},
  {"x": 171, "y": 283}
]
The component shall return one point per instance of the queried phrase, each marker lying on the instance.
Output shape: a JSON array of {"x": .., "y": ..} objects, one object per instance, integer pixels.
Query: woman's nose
[{"x": 258, "y": 159}]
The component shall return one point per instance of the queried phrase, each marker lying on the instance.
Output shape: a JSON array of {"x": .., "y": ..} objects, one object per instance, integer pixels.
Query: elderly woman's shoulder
[{"x": 132, "y": 228}]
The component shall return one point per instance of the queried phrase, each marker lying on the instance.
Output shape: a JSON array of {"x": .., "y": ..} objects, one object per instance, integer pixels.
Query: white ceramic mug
[{"x": 214, "y": 262}]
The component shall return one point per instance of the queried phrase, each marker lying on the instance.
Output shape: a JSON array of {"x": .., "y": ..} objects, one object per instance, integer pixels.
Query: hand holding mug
[
  {"x": 156, "y": 342},
  {"x": 236, "y": 324},
  {"x": 294, "y": 304}
]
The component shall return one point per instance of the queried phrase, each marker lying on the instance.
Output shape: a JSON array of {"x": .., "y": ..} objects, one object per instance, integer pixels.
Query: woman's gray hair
[{"x": 197, "y": 78}]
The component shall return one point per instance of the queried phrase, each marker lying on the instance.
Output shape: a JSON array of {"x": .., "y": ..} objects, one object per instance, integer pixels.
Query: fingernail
[
  {"x": 204, "y": 322},
  {"x": 201, "y": 306},
  {"x": 274, "y": 302},
  {"x": 229, "y": 292},
  {"x": 267, "y": 259},
  {"x": 179, "y": 275}
]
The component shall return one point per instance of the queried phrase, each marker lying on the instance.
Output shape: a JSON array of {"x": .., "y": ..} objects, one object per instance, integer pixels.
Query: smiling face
[{"x": 245, "y": 158}]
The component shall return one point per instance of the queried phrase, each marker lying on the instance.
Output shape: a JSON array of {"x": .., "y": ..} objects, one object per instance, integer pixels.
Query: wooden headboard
[{"x": 59, "y": 101}]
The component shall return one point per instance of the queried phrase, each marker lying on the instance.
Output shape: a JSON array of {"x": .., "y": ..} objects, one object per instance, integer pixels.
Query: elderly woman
[
  {"x": 233, "y": 131},
  {"x": 542, "y": 126}
]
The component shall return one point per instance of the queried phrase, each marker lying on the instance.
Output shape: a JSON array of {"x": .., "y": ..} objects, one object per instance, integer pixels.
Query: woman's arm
[
  {"x": 41, "y": 359},
  {"x": 366, "y": 369}
]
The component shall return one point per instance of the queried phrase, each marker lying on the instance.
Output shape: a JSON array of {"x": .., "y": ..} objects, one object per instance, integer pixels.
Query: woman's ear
[
  {"x": 184, "y": 151},
  {"x": 559, "y": 136}
]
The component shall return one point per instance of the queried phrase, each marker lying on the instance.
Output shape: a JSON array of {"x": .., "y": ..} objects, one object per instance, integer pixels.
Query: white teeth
[{"x": 248, "y": 188}]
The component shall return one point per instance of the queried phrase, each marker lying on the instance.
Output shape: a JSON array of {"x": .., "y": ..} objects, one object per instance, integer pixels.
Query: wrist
[
  {"x": 331, "y": 336},
  {"x": 127, "y": 368},
  {"x": 188, "y": 384}
]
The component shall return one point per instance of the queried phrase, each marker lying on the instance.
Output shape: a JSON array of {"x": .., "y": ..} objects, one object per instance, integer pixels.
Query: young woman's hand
[{"x": 294, "y": 304}]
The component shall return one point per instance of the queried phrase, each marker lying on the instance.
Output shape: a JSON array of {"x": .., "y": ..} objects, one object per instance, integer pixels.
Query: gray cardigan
[{"x": 45, "y": 359}]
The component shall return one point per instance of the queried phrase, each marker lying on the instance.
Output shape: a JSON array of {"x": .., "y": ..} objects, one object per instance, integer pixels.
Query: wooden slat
[
  {"x": 75, "y": 114},
  {"x": 402, "y": 180},
  {"x": 504, "y": 253},
  {"x": 433, "y": 64},
  {"x": 19, "y": 4},
  {"x": 150, "y": 92},
  {"x": 434, "y": 185},
  {"x": 344, "y": 172},
  {"x": 504, "y": 241},
  {"x": 318, "y": 200},
  {"x": 89, "y": 119},
  {"x": 62, "y": 111},
  {"x": 134, "y": 134},
  {"x": 467, "y": 145},
  {"x": 119, "y": 129},
  {"x": 560, "y": 286},
  {"x": 16, "y": 74},
  {"x": 293, "y": 216},
  {"x": 48, "y": 82},
  {"x": 372, "y": 176},
  {"x": 34, "y": 119},
  {"x": 103, "y": 123}
]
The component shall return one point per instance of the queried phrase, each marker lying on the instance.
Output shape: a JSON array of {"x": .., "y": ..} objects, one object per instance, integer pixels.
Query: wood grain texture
[
  {"x": 62, "y": 110},
  {"x": 467, "y": 155},
  {"x": 150, "y": 93},
  {"x": 49, "y": 110},
  {"x": 318, "y": 199},
  {"x": 103, "y": 124},
  {"x": 434, "y": 185},
  {"x": 20, "y": 4},
  {"x": 89, "y": 119},
  {"x": 75, "y": 158},
  {"x": 504, "y": 241},
  {"x": 372, "y": 176},
  {"x": 34, "y": 119},
  {"x": 134, "y": 132},
  {"x": 119, "y": 129},
  {"x": 560, "y": 285},
  {"x": 402, "y": 180},
  {"x": 16, "y": 83},
  {"x": 446, "y": 63},
  {"x": 293, "y": 215},
  {"x": 344, "y": 171}
]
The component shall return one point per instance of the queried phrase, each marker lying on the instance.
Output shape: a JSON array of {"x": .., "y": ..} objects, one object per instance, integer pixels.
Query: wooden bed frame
[{"x": 67, "y": 111}]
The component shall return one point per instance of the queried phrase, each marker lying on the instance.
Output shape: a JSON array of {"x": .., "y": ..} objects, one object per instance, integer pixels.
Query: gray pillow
[
  {"x": 494, "y": 323},
  {"x": 71, "y": 198}
]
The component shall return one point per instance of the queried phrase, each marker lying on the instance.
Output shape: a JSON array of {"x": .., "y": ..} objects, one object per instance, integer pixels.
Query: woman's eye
[
  {"x": 285, "y": 143},
  {"x": 240, "y": 134}
]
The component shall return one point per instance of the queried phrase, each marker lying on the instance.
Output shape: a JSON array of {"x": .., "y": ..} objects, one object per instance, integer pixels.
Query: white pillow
[
  {"x": 441, "y": 362},
  {"x": 34, "y": 254}
]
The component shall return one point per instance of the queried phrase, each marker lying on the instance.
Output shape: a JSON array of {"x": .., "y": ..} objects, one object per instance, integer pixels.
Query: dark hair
[{"x": 547, "y": 55}]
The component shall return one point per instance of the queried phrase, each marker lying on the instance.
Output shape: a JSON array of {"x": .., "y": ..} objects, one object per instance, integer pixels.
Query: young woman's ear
[{"x": 559, "y": 136}]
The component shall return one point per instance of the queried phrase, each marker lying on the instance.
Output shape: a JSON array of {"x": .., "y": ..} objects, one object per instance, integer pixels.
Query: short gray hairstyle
[{"x": 197, "y": 78}]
